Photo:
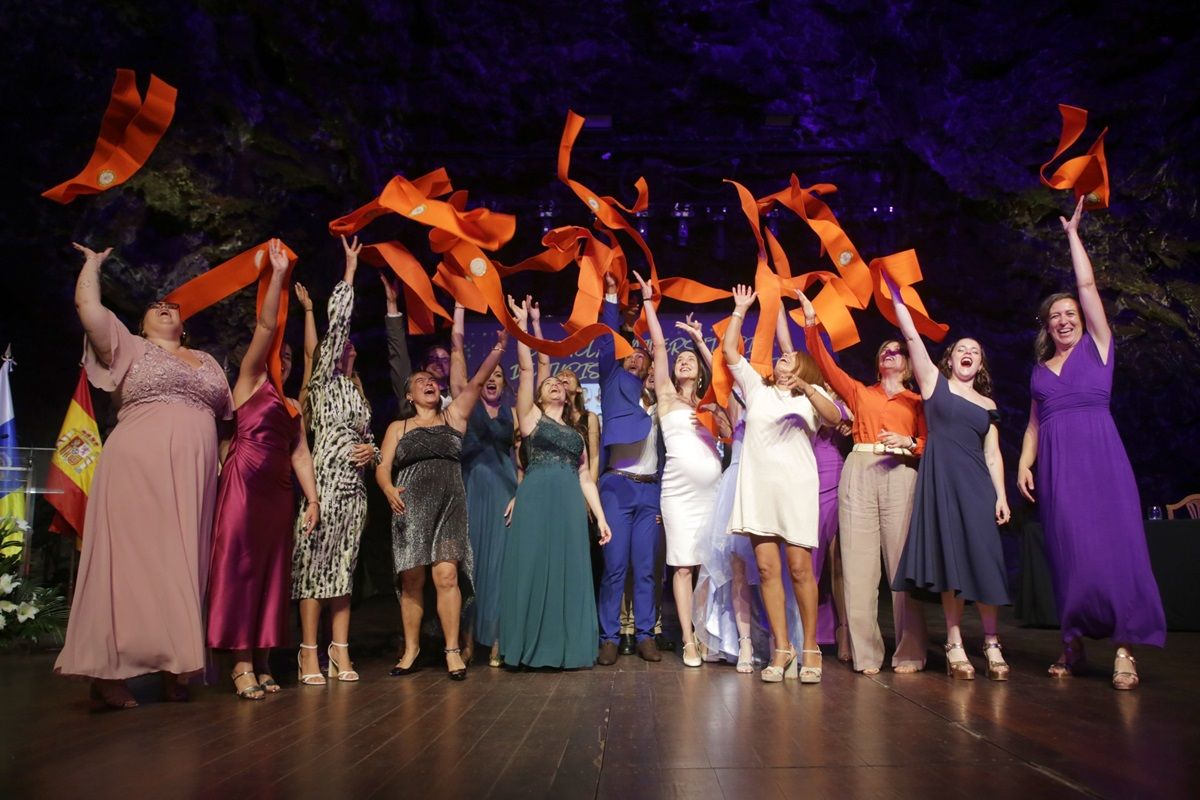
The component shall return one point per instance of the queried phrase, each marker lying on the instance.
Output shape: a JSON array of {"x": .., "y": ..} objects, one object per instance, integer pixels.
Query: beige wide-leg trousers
[{"x": 875, "y": 499}]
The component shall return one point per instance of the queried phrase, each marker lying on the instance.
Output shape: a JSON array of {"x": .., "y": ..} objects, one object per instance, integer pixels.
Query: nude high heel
[
  {"x": 774, "y": 674},
  {"x": 335, "y": 669}
]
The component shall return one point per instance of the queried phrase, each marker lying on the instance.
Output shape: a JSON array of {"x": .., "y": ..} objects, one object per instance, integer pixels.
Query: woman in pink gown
[
  {"x": 250, "y": 579},
  {"x": 139, "y": 594}
]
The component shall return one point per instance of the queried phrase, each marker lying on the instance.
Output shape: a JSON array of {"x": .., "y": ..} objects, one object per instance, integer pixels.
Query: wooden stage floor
[{"x": 635, "y": 730}]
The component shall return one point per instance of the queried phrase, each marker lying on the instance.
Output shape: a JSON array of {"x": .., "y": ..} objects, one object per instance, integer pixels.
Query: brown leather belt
[{"x": 634, "y": 476}]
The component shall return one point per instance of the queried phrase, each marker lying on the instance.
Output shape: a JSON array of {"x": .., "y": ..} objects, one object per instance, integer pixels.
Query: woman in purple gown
[
  {"x": 1095, "y": 540},
  {"x": 250, "y": 579}
]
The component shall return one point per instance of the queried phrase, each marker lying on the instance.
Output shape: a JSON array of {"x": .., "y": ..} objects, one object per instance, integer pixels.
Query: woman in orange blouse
[{"x": 875, "y": 497}]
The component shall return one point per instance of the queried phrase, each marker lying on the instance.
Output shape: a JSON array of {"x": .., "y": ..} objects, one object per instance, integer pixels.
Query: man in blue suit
[{"x": 628, "y": 490}]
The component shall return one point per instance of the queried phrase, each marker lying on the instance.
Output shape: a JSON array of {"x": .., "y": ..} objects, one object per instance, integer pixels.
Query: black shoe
[
  {"x": 663, "y": 643},
  {"x": 398, "y": 671},
  {"x": 608, "y": 654},
  {"x": 455, "y": 674},
  {"x": 628, "y": 644}
]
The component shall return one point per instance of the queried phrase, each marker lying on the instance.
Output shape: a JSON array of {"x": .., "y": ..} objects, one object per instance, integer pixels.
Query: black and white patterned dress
[{"x": 323, "y": 562}]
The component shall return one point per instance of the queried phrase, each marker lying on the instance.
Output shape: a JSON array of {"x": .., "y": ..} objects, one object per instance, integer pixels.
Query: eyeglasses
[{"x": 163, "y": 305}]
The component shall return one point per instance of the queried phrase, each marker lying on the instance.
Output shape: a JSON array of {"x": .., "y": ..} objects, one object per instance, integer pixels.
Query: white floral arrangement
[{"x": 28, "y": 612}]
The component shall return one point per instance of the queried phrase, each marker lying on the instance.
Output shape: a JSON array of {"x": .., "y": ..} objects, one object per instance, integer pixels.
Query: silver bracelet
[{"x": 738, "y": 314}]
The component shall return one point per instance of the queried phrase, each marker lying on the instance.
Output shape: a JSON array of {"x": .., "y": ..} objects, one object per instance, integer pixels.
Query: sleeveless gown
[
  {"x": 433, "y": 526},
  {"x": 491, "y": 481},
  {"x": 547, "y": 607},
  {"x": 1090, "y": 510},
  {"x": 953, "y": 543},
  {"x": 250, "y": 580},
  {"x": 689, "y": 485}
]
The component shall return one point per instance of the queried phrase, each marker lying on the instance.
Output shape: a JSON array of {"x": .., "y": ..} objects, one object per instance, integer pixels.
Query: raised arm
[
  {"x": 663, "y": 386},
  {"x": 92, "y": 312},
  {"x": 696, "y": 333},
  {"x": 460, "y": 409},
  {"x": 528, "y": 413},
  {"x": 399, "y": 362},
  {"x": 593, "y": 448},
  {"x": 924, "y": 370},
  {"x": 341, "y": 306},
  {"x": 458, "y": 353},
  {"x": 743, "y": 298},
  {"x": 606, "y": 349},
  {"x": 783, "y": 334},
  {"x": 846, "y": 387},
  {"x": 1029, "y": 451},
  {"x": 254, "y": 364},
  {"x": 310, "y": 335},
  {"x": 1085, "y": 284},
  {"x": 543, "y": 360}
]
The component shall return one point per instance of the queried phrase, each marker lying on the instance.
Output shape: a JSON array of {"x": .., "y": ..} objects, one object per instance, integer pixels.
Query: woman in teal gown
[{"x": 547, "y": 608}]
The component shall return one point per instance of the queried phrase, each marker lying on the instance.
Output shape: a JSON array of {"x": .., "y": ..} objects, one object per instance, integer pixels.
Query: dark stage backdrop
[{"x": 932, "y": 119}]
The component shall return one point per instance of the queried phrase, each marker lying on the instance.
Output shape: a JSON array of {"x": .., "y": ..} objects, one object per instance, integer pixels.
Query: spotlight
[
  {"x": 682, "y": 212},
  {"x": 643, "y": 227}
]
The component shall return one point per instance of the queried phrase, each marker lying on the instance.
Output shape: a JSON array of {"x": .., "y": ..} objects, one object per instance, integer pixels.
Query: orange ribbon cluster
[
  {"x": 468, "y": 274},
  {"x": 1086, "y": 174},
  {"x": 851, "y": 284},
  {"x": 234, "y": 275},
  {"x": 129, "y": 132}
]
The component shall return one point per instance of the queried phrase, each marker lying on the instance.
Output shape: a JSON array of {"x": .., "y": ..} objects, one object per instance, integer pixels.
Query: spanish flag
[{"x": 74, "y": 462}]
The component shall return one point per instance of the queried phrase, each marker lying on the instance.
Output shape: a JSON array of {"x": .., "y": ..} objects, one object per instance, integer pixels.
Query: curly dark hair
[{"x": 983, "y": 378}]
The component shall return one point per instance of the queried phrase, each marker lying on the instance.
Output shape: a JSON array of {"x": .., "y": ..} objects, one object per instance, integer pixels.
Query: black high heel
[
  {"x": 414, "y": 666},
  {"x": 456, "y": 674}
]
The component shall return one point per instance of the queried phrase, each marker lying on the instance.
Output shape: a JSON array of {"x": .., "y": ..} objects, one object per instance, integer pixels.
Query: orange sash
[
  {"x": 129, "y": 132},
  {"x": 1086, "y": 174},
  {"x": 234, "y": 275}
]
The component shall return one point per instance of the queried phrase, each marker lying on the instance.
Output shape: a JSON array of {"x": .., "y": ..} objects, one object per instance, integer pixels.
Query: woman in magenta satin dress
[{"x": 250, "y": 579}]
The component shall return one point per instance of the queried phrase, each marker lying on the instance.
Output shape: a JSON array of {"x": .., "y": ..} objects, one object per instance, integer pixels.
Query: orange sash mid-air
[
  {"x": 129, "y": 132},
  {"x": 231, "y": 277},
  {"x": 1086, "y": 174}
]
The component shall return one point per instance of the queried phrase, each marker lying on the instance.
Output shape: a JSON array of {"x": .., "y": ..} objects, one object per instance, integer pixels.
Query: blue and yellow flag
[{"x": 12, "y": 470}]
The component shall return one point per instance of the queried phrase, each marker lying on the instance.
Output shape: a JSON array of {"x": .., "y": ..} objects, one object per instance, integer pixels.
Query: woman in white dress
[
  {"x": 777, "y": 489},
  {"x": 692, "y": 471}
]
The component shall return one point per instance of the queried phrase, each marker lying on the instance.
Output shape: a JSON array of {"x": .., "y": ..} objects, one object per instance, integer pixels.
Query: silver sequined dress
[{"x": 433, "y": 526}]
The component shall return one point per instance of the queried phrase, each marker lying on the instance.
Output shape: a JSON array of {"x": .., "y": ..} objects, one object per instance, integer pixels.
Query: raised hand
[
  {"x": 691, "y": 327},
  {"x": 722, "y": 419},
  {"x": 810, "y": 314},
  {"x": 501, "y": 340},
  {"x": 351, "y": 249},
  {"x": 278, "y": 256},
  {"x": 1071, "y": 226},
  {"x": 391, "y": 288},
  {"x": 535, "y": 311},
  {"x": 520, "y": 312},
  {"x": 302, "y": 296},
  {"x": 743, "y": 297},
  {"x": 90, "y": 256},
  {"x": 647, "y": 289},
  {"x": 610, "y": 283}
]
